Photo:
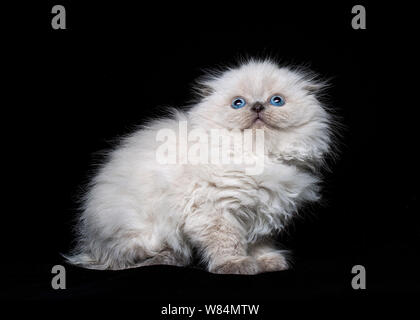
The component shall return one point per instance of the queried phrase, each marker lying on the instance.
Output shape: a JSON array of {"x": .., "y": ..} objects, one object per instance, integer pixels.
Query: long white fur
[{"x": 137, "y": 208}]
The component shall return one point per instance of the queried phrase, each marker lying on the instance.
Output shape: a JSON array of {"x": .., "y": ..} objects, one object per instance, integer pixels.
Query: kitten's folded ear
[
  {"x": 313, "y": 87},
  {"x": 204, "y": 86},
  {"x": 203, "y": 89},
  {"x": 316, "y": 86},
  {"x": 312, "y": 82}
]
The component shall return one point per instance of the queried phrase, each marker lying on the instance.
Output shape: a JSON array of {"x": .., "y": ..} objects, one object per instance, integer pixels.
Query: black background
[{"x": 74, "y": 91}]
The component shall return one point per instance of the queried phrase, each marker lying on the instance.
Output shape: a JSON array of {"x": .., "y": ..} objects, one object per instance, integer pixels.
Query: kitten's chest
[{"x": 274, "y": 194}]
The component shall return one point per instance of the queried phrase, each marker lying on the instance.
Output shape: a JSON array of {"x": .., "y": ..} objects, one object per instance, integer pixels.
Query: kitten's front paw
[
  {"x": 242, "y": 265},
  {"x": 272, "y": 261}
]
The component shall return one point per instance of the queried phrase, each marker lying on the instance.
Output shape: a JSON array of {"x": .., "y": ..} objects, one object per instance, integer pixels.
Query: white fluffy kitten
[{"x": 139, "y": 212}]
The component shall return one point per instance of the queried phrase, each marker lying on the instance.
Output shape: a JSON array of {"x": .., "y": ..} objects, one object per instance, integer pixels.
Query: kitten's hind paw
[
  {"x": 241, "y": 265},
  {"x": 272, "y": 261}
]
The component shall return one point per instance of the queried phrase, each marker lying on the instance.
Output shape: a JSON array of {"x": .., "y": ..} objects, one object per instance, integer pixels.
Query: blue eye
[
  {"x": 277, "y": 101},
  {"x": 238, "y": 103}
]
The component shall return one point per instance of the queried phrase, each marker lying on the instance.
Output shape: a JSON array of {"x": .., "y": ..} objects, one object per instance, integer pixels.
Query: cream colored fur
[{"x": 138, "y": 212}]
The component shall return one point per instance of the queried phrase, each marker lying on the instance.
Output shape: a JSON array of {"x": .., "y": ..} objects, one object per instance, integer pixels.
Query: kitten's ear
[
  {"x": 312, "y": 82},
  {"x": 205, "y": 85},
  {"x": 204, "y": 90},
  {"x": 317, "y": 86},
  {"x": 314, "y": 87}
]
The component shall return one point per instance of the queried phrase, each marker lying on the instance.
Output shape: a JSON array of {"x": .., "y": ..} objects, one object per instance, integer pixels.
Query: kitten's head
[{"x": 261, "y": 95}]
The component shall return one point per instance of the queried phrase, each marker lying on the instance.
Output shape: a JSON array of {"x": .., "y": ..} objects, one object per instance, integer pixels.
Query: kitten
[{"x": 140, "y": 211}]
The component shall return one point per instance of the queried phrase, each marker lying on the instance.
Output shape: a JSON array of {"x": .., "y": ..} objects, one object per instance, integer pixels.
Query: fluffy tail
[{"x": 84, "y": 260}]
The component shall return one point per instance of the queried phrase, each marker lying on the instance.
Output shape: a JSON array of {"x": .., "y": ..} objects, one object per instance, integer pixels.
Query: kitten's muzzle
[{"x": 257, "y": 107}]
